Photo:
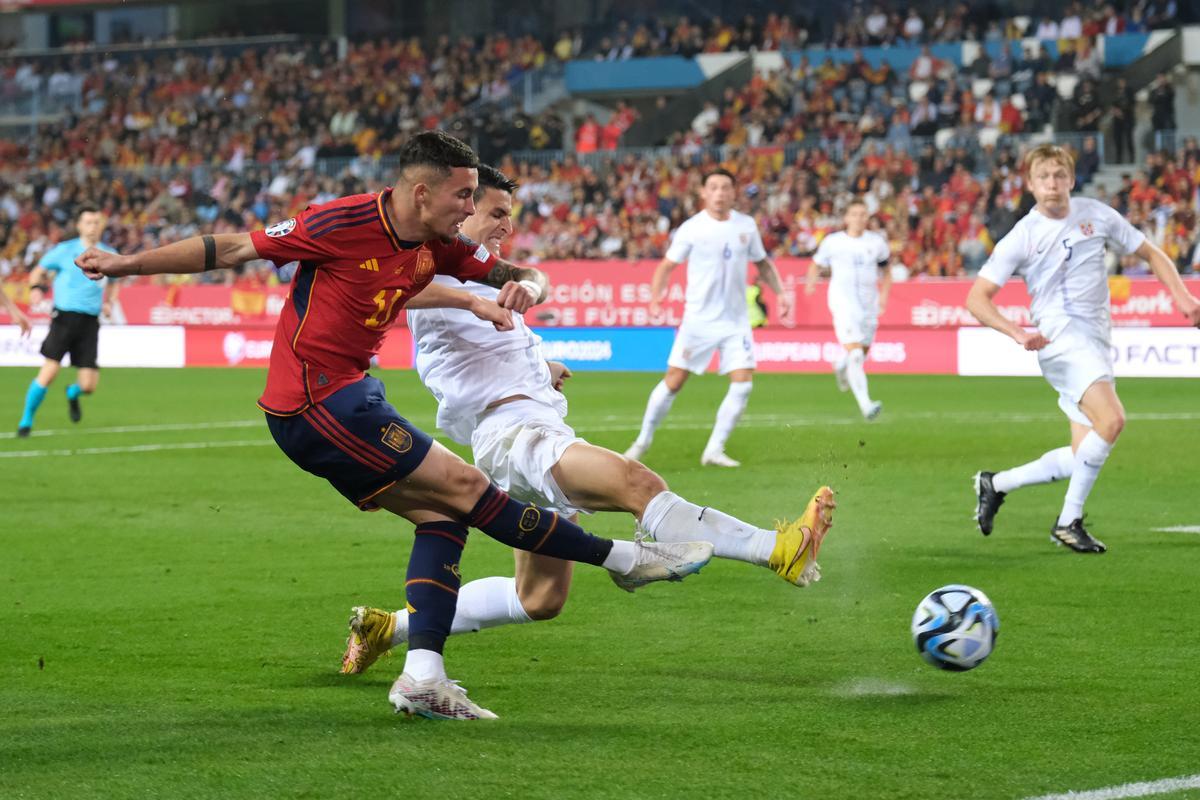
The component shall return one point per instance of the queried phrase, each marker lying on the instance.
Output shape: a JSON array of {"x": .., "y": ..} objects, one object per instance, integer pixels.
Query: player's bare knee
[
  {"x": 471, "y": 480},
  {"x": 1109, "y": 429},
  {"x": 462, "y": 483},
  {"x": 643, "y": 482},
  {"x": 543, "y": 601},
  {"x": 547, "y": 606}
]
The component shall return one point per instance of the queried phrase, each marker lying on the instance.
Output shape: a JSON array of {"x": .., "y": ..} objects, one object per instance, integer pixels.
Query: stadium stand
[{"x": 173, "y": 141}]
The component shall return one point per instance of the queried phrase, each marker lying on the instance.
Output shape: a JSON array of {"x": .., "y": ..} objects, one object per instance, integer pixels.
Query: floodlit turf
[{"x": 171, "y": 620}]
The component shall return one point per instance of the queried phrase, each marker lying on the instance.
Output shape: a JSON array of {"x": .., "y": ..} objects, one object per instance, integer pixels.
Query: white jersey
[
  {"x": 853, "y": 263},
  {"x": 717, "y": 253},
  {"x": 1062, "y": 263},
  {"x": 468, "y": 365}
]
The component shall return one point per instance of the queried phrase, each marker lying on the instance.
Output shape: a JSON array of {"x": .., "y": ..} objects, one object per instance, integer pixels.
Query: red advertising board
[
  {"x": 202, "y": 305},
  {"x": 251, "y": 347},
  {"x": 616, "y": 294}
]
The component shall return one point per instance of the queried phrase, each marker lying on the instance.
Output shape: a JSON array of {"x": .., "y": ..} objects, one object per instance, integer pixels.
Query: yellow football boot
[
  {"x": 371, "y": 632},
  {"x": 795, "y": 555}
]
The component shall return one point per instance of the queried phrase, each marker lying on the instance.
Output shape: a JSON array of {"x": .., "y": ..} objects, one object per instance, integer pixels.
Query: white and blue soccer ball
[{"x": 955, "y": 627}]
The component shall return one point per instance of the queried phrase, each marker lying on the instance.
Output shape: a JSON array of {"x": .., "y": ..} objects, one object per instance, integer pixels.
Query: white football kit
[
  {"x": 468, "y": 365},
  {"x": 715, "y": 317},
  {"x": 1062, "y": 263},
  {"x": 853, "y": 299}
]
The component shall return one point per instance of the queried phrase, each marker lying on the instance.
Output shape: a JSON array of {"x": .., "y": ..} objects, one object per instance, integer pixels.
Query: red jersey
[{"x": 354, "y": 279}]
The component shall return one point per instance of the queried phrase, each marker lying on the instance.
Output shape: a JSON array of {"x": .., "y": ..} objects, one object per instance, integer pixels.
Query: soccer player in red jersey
[{"x": 361, "y": 258}]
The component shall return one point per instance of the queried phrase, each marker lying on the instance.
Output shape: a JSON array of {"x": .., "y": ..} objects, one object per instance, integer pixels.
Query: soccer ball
[{"x": 955, "y": 627}]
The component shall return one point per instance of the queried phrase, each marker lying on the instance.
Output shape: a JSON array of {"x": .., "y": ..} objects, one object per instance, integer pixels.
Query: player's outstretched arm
[
  {"x": 658, "y": 284},
  {"x": 37, "y": 284},
  {"x": 195, "y": 254},
  {"x": 980, "y": 302},
  {"x": 885, "y": 286},
  {"x": 770, "y": 276},
  {"x": 17, "y": 315},
  {"x": 1164, "y": 269},
  {"x": 521, "y": 288},
  {"x": 437, "y": 296}
]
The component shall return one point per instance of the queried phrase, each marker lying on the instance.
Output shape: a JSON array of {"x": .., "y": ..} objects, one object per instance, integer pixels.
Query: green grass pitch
[{"x": 172, "y": 613}]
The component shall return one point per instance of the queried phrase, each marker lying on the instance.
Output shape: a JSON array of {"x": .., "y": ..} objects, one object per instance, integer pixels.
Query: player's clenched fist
[
  {"x": 97, "y": 264},
  {"x": 519, "y": 296},
  {"x": 1033, "y": 341},
  {"x": 1190, "y": 307},
  {"x": 494, "y": 313}
]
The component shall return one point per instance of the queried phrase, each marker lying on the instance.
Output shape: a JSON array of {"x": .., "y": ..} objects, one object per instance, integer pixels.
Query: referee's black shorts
[{"x": 74, "y": 333}]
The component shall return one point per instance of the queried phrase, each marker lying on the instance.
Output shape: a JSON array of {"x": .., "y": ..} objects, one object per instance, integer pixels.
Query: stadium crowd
[
  {"x": 876, "y": 24},
  {"x": 941, "y": 210},
  {"x": 292, "y": 104},
  {"x": 178, "y": 144}
]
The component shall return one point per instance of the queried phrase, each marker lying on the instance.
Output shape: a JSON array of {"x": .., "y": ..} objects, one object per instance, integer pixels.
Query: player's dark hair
[
  {"x": 718, "y": 171},
  {"x": 437, "y": 150},
  {"x": 86, "y": 208},
  {"x": 492, "y": 178}
]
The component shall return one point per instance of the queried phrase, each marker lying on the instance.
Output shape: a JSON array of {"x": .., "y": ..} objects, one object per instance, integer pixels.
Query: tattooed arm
[{"x": 520, "y": 287}]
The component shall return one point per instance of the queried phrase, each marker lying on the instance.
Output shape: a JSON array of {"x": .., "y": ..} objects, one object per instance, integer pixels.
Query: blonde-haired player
[
  {"x": 1058, "y": 249},
  {"x": 859, "y": 283},
  {"x": 717, "y": 244}
]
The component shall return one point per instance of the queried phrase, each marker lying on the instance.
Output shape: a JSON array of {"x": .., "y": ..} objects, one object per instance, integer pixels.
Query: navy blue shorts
[
  {"x": 355, "y": 440},
  {"x": 75, "y": 333}
]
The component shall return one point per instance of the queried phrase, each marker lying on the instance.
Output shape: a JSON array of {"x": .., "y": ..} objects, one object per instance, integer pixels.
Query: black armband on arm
[{"x": 210, "y": 252}]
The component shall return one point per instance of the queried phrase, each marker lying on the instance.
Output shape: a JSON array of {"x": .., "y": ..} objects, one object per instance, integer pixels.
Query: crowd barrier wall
[{"x": 598, "y": 317}]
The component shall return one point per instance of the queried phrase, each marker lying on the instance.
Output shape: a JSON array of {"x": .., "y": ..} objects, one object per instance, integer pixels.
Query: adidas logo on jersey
[{"x": 370, "y": 264}]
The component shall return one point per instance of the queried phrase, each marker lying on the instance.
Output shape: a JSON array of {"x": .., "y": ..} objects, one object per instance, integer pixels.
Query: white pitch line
[
  {"x": 1178, "y": 529},
  {"x": 1145, "y": 789},
  {"x": 135, "y": 448},
  {"x": 609, "y": 423},
  {"x": 174, "y": 426},
  {"x": 620, "y": 422}
]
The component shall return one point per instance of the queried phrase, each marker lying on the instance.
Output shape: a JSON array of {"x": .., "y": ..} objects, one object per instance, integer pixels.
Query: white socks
[
  {"x": 483, "y": 603},
  {"x": 424, "y": 665},
  {"x": 621, "y": 558},
  {"x": 1052, "y": 466},
  {"x": 728, "y": 415},
  {"x": 670, "y": 518},
  {"x": 856, "y": 376},
  {"x": 656, "y": 411},
  {"x": 1089, "y": 458}
]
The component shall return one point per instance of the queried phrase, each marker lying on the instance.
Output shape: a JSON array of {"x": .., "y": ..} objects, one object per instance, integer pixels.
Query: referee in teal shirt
[{"x": 75, "y": 321}]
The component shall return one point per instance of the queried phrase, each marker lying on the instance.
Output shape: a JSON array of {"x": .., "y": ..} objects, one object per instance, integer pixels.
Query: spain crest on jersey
[
  {"x": 1087, "y": 228},
  {"x": 423, "y": 270},
  {"x": 397, "y": 438}
]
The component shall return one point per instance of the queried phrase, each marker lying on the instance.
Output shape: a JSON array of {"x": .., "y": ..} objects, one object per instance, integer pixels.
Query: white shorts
[
  {"x": 1071, "y": 363},
  {"x": 517, "y": 444},
  {"x": 693, "y": 350},
  {"x": 854, "y": 326}
]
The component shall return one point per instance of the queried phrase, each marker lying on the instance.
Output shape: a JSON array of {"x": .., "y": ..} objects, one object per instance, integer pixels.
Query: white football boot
[
  {"x": 436, "y": 698},
  {"x": 718, "y": 459},
  {"x": 663, "y": 561},
  {"x": 636, "y": 451}
]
